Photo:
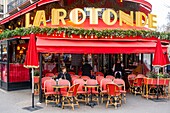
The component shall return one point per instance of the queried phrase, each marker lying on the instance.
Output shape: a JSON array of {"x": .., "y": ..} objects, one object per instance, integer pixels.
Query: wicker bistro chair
[
  {"x": 110, "y": 77},
  {"x": 81, "y": 90},
  {"x": 71, "y": 73},
  {"x": 121, "y": 84},
  {"x": 137, "y": 85},
  {"x": 93, "y": 91},
  {"x": 85, "y": 78},
  {"x": 99, "y": 78},
  {"x": 70, "y": 97},
  {"x": 74, "y": 77},
  {"x": 80, "y": 73},
  {"x": 49, "y": 74},
  {"x": 114, "y": 95},
  {"x": 49, "y": 91},
  {"x": 131, "y": 78},
  {"x": 140, "y": 76},
  {"x": 66, "y": 83},
  {"x": 103, "y": 89},
  {"x": 99, "y": 74},
  {"x": 43, "y": 81}
]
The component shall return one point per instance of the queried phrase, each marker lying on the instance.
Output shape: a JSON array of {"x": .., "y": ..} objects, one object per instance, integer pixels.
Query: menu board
[{"x": 76, "y": 59}]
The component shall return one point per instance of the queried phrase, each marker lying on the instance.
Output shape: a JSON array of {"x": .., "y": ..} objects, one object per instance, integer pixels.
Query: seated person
[{"x": 64, "y": 74}]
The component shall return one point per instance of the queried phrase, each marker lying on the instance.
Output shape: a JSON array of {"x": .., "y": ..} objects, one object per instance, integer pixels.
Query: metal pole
[
  {"x": 32, "y": 88},
  {"x": 110, "y": 65},
  {"x": 40, "y": 79},
  {"x": 151, "y": 61},
  {"x": 157, "y": 84},
  {"x": 142, "y": 61},
  {"x": 8, "y": 60}
]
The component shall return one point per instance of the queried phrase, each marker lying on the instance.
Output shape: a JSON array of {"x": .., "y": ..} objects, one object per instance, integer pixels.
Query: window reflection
[
  {"x": 4, "y": 51},
  {"x": 3, "y": 76}
]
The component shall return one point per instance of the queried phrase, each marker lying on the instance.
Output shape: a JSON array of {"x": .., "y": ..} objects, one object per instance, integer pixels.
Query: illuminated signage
[{"x": 109, "y": 17}]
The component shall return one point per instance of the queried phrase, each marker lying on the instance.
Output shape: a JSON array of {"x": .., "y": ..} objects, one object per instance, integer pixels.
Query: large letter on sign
[
  {"x": 93, "y": 15},
  {"x": 139, "y": 17},
  {"x": 40, "y": 18},
  {"x": 106, "y": 17},
  {"x": 56, "y": 16},
  {"x": 151, "y": 22},
  {"x": 27, "y": 20},
  {"x": 128, "y": 19},
  {"x": 74, "y": 16}
]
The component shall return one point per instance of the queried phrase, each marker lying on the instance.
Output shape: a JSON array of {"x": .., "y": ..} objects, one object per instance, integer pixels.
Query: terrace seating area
[
  {"x": 108, "y": 91},
  {"x": 83, "y": 89}
]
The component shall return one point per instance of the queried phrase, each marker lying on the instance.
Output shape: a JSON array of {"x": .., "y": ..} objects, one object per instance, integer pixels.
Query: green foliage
[
  {"x": 151, "y": 75},
  {"x": 84, "y": 32},
  {"x": 166, "y": 75},
  {"x": 155, "y": 75},
  {"x": 36, "y": 73}
]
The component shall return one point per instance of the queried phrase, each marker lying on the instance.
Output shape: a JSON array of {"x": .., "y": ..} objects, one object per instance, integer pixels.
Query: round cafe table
[
  {"x": 91, "y": 103},
  {"x": 58, "y": 87}
]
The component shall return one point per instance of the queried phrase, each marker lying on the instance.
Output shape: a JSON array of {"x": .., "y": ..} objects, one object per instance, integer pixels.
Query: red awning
[{"x": 94, "y": 46}]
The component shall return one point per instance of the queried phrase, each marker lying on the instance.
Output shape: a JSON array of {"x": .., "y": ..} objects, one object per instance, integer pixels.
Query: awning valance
[{"x": 95, "y": 46}]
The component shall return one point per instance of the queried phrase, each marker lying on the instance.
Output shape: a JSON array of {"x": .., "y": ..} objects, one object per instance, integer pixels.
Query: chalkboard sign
[{"x": 76, "y": 59}]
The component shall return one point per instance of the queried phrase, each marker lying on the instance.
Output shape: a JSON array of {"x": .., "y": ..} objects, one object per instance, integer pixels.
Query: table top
[
  {"x": 60, "y": 86},
  {"x": 120, "y": 85},
  {"x": 91, "y": 86}
]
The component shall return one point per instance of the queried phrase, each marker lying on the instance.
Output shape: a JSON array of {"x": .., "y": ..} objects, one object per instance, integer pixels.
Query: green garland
[{"x": 69, "y": 31}]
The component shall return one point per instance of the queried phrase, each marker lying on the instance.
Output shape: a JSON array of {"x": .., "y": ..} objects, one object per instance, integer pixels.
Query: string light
[
  {"x": 9, "y": 27},
  {"x": 19, "y": 23},
  {"x": 18, "y": 48}
]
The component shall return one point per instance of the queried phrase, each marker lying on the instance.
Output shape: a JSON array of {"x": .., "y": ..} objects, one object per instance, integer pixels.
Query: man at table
[
  {"x": 64, "y": 75},
  {"x": 86, "y": 69}
]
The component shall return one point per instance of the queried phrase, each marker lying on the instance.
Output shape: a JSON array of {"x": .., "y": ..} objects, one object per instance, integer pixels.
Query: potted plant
[
  {"x": 36, "y": 73},
  {"x": 36, "y": 76},
  {"x": 36, "y": 81},
  {"x": 152, "y": 78}
]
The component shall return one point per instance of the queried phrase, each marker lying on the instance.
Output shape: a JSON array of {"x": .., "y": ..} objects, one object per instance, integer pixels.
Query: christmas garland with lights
[{"x": 68, "y": 32}]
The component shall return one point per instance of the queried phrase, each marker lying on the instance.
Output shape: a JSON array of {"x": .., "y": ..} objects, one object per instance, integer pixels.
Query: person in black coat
[
  {"x": 64, "y": 74},
  {"x": 86, "y": 69},
  {"x": 118, "y": 69}
]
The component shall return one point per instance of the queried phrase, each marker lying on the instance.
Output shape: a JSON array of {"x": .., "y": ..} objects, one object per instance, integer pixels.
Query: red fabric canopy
[
  {"x": 167, "y": 59},
  {"x": 159, "y": 58},
  {"x": 31, "y": 60},
  {"x": 94, "y": 46}
]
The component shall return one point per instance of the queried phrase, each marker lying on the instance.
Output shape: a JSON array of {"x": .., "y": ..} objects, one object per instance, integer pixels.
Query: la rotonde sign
[{"x": 77, "y": 16}]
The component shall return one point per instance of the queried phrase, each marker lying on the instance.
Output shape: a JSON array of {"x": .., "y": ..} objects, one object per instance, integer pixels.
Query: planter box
[
  {"x": 153, "y": 81},
  {"x": 36, "y": 79}
]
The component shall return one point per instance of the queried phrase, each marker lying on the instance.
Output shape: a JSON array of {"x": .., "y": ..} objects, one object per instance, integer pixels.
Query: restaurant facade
[{"x": 70, "y": 31}]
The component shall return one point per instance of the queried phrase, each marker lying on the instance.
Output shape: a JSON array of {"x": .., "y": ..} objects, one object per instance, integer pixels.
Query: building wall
[
  {"x": 3, "y": 8},
  {"x": 7, "y": 5}
]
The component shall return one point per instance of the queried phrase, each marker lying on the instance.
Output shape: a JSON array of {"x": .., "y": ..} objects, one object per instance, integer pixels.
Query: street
[{"x": 15, "y": 101}]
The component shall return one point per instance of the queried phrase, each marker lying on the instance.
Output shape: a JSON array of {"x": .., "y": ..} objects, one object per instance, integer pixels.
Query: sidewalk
[{"x": 14, "y": 101}]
